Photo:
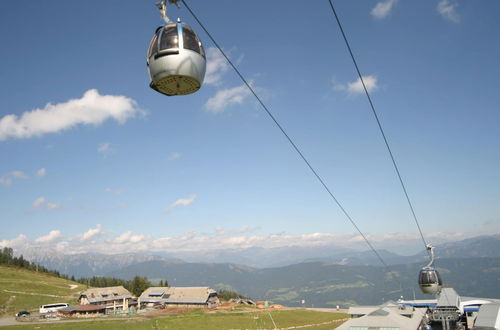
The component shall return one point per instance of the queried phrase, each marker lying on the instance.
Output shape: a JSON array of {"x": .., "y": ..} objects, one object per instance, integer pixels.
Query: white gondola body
[{"x": 176, "y": 60}]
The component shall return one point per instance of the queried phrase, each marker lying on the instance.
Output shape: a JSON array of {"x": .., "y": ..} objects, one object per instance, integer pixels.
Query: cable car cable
[
  {"x": 379, "y": 125},
  {"x": 295, "y": 147},
  {"x": 429, "y": 279}
]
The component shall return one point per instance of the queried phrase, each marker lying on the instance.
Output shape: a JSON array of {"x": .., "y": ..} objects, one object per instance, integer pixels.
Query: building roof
[
  {"x": 364, "y": 310},
  {"x": 89, "y": 308},
  {"x": 106, "y": 294},
  {"x": 386, "y": 317},
  {"x": 488, "y": 317},
  {"x": 448, "y": 297},
  {"x": 194, "y": 295}
]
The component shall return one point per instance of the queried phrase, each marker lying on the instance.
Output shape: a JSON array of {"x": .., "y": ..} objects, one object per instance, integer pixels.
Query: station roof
[{"x": 195, "y": 295}]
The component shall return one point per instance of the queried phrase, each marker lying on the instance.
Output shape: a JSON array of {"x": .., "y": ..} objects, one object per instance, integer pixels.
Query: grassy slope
[
  {"x": 212, "y": 321},
  {"x": 32, "y": 289}
]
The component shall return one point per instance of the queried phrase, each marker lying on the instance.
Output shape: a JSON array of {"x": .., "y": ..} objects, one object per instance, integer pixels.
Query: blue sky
[{"x": 93, "y": 159}]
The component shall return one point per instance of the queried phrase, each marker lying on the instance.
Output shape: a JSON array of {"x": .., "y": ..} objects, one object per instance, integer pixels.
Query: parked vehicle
[
  {"x": 52, "y": 308},
  {"x": 23, "y": 314}
]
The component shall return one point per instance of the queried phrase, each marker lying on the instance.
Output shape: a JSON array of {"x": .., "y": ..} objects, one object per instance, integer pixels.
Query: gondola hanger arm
[
  {"x": 430, "y": 248},
  {"x": 162, "y": 5}
]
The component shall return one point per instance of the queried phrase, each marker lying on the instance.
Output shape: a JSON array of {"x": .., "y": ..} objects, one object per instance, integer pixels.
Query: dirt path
[
  {"x": 36, "y": 294},
  {"x": 5, "y": 321},
  {"x": 7, "y": 303},
  {"x": 339, "y": 321}
]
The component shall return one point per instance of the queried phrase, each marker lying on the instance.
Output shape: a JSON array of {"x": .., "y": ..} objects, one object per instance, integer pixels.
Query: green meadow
[
  {"x": 257, "y": 319},
  {"x": 22, "y": 289}
]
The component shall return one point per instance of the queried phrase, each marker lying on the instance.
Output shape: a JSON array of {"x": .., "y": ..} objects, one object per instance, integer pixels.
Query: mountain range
[{"x": 327, "y": 278}]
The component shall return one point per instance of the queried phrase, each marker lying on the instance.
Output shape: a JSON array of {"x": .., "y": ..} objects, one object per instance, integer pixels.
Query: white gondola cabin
[{"x": 176, "y": 60}]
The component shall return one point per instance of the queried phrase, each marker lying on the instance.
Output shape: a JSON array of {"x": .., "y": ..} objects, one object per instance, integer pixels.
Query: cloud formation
[
  {"x": 383, "y": 8},
  {"x": 41, "y": 172},
  {"x": 52, "y": 206},
  {"x": 174, "y": 155},
  {"x": 216, "y": 66},
  {"x": 19, "y": 174},
  {"x": 181, "y": 202},
  {"x": 105, "y": 149},
  {"x": 220, "y": 238},
  {"x": 17, "y": 242},
  {"x": 5, "y": 181},
  {"x": 356, "y": 87},
  {"x": 129, "y": 237},
  {"x": 119, "y": 191},
  {"x": 49, "y": 238},
  {"x": 92, "y": 233},
  {"x": 226, "y": 97},
  {"x": 38, "y": 202},
  {"x": 42, "y": 201},
  {"x": 91, "y": 109},
  {"x": 447, "y": 9}
]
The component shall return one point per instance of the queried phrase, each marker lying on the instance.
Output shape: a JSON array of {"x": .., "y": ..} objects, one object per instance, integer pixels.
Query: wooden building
[
  {"x": 115, "y": 298},
  {"x": 188, "y": 297}
]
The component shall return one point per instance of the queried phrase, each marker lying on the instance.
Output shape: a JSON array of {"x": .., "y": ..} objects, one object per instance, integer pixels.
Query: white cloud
[
  {"x": 91, "y": 233},
  {"x": 217, "y": 66},
  {"x": 226, "y": 97},
  {"x": 123, "y": 204},
  {"x": 356, "y": 87},
  {"x": 220, "y": 231},
  {"x": 119, "y": 191},
  {"x": 222, "y": 238},
  {"x": 41, "y": 201},
  {"x": 19, "y": 174},
  {"x": 105, "y": 149},
  {"x": 383, "y": 8},
  {"x": 17, "y": 242},
  {"x": 447, "y": 9},
  {"x": 52, "y": 206},
  {"x": 50, "y": 237},
  {"x": 5, "y": 181},
  {"x": 41, "y": 172},
  {"x": 181, "y": 202},
  {"x": 174, "y": 156},
  {"x": 129, "y": 237},
  {"x": 38, "y": 202},
  {"x": 91, "y": 109},
  {"x": 337, "y": 86}
]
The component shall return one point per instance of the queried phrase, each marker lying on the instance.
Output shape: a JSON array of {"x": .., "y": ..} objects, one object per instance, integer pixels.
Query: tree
[
  {"x": 138, "y": 285},
  {"x": 228, "y": 294}
]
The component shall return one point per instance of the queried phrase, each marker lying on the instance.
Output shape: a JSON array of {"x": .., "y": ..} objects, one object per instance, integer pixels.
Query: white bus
[{"x": 51, "y": 308}]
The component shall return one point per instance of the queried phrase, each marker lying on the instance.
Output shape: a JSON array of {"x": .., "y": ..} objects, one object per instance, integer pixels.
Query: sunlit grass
[
  {"x": 256, "y": 319},
  {"x": 22, "y": 289}
]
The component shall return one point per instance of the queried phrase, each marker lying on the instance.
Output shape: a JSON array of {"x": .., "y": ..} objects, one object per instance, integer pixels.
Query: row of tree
[
  {"x": 229, "y": 294},
  {"x": 137, "y": 285}
]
